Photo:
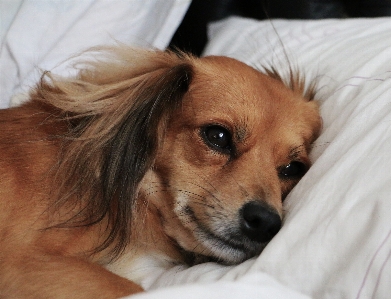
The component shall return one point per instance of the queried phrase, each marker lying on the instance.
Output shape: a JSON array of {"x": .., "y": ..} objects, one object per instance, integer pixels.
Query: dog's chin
[
  {"x": 222, "y": 255},
  {"x": 227, "y": 250}
]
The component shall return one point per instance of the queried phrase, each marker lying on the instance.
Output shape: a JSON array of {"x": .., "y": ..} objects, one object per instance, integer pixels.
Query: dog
[{"x": 143, "y": 155}]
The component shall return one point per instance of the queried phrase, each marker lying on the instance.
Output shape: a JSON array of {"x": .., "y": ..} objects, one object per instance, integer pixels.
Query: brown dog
[{"x": 145, "y": 154}]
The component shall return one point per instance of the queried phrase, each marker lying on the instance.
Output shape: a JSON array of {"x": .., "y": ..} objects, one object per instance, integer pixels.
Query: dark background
[{"x": 191, "y": 35}]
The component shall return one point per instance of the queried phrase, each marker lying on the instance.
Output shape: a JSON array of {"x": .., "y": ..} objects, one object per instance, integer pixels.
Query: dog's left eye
[
  {"x": 217, "y": 137},
  {"x": 293, "y": 170}
]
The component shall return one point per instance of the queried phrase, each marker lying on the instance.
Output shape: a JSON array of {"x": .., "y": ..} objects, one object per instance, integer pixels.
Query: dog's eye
[
  {"x": 293, "y": 170},
  {"x": 218, "y": 138}
]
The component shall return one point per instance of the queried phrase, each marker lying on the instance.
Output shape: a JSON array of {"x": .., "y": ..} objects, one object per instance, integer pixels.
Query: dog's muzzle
[{"x": 235, "y": 240}]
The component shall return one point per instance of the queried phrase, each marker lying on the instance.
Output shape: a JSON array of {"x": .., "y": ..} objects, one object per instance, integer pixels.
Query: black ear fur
[{"x": 131, "y": 152}]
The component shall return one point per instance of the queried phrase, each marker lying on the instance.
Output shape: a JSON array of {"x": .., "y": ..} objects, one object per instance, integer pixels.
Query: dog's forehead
[
  {"x": 237, "y": 82},
  {"x": 224, "y": 70},
  {"x": 224, "y": 86}
]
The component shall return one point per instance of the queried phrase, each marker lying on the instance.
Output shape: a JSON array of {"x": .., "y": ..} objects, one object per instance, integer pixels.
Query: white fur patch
[{"x": 142, "y": 269}]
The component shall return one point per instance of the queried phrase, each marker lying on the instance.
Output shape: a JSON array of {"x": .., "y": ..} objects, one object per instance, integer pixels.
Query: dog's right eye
[
  {"x": 294, "y": 170},
  {"x": 217, "y": 138}
]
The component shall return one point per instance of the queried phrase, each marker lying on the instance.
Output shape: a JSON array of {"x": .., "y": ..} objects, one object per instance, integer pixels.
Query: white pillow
[
  {"x": 41, "y": 34},
  {"x": 336, "y": 237}
]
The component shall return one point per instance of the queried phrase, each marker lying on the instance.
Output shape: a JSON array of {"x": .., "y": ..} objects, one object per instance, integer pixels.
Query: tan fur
[{"x": 62, "y": 209}]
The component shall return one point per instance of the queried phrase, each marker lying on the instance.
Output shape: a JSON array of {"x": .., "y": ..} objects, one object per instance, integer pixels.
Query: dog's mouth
[
  {"x": 228, "y": 248},
  {"x": 220, "y": 236}
]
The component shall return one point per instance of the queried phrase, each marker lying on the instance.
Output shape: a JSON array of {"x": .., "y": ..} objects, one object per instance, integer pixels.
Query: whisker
[
  {"x": 241, "y": 188},
  {"x": 204, "y": 179}
]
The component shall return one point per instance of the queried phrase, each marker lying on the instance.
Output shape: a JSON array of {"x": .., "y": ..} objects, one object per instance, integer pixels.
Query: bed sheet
[
  {"x": 41, "y": 35},
  {"x": 336, "y": 237}
]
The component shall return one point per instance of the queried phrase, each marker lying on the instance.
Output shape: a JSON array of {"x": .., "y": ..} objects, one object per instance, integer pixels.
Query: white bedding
[
  {"x": 38, "y": 35},
  {"x": 336, "y": 238}
]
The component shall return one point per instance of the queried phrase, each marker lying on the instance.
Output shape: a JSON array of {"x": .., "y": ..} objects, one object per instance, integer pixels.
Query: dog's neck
[{"x": 150, "y": 251}]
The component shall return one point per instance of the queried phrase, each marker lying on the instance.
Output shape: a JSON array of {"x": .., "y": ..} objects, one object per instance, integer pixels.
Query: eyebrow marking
[
  {"x": 240, "y": 133},
  {"x": 296, "y": 152}
]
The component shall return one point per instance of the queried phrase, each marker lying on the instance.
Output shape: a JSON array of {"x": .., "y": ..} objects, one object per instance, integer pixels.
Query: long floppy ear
[
  {"x": 116, "y": 111},
  {"x": 132, "y": 150}
]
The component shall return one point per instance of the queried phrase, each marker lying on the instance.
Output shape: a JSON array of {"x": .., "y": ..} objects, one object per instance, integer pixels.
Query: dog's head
[
  {"x": 233, "y": 149},
  {"x": 211, "y": 145}
]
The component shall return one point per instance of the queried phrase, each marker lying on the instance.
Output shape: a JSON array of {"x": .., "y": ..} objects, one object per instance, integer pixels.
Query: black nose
[{"x": 259, "y": 222}]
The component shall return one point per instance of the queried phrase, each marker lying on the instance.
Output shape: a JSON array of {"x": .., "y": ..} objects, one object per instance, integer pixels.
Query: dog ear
[
  {"x": 131, "y": 151},
  {"x": 294, "y": 81},
  {"x": 116, "y": 112}
]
